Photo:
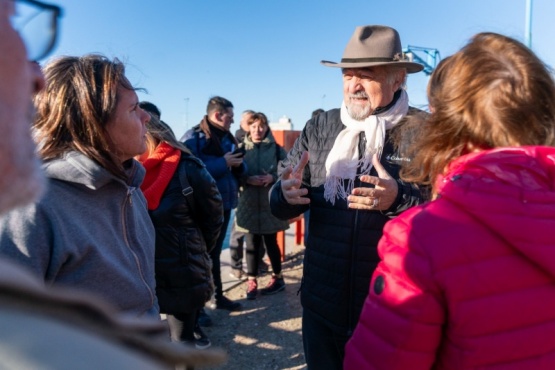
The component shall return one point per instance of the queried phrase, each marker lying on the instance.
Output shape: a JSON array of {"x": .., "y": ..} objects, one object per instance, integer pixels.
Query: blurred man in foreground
[{"x": 44, "y": 327}]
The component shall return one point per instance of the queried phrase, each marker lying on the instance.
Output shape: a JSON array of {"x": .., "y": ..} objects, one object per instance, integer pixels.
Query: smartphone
[{"x": 239, "y": 150}]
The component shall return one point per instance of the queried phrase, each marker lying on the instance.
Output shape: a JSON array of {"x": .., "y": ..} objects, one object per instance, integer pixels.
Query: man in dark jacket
[
  {"x": 243, "y": 125},
  {"x": 237, "y": 237},
  {"x": 211, "y": 142},
  {"x": 344, "y": 167}
]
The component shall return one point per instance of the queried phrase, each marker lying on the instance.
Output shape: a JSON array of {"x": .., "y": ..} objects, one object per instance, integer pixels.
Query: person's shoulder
[
  {"x": 187, "y": 136},
  {"x": 408, "y": 128},
  {"x": 324, "y": 119},
  {"x": 328, "y": 116},
  {"x": 190, "y": 159},
  {"x": 416, "y": 222},
  {"x": 192, "y": 133},
  {"x": 413, "y": 111}
]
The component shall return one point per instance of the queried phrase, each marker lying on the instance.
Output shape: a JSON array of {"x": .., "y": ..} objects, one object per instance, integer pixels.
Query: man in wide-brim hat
[{"x": 345, "y": 168}]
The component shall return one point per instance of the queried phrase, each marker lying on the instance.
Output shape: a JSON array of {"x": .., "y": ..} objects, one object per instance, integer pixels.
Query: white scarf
[{"x": 343, "y": 159}]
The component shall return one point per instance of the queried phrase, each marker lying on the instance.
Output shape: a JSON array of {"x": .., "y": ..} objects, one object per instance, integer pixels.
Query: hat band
[{"x": 366, "y": 60}]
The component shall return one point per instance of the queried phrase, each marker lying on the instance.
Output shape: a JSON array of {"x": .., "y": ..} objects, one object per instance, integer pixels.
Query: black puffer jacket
[
  {"x": 341, "y": 251},
  {"x": 183, "y": 267}
]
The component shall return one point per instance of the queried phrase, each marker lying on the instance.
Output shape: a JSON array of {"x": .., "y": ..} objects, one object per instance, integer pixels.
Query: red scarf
[{"x": 160, "y": 167}]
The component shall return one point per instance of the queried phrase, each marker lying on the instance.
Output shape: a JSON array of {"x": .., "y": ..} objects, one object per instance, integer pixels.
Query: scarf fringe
[{"x": 334, "y": 187}]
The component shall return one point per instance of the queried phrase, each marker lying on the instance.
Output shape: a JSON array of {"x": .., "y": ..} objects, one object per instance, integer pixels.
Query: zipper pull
[{"x": 130, "y": 192}]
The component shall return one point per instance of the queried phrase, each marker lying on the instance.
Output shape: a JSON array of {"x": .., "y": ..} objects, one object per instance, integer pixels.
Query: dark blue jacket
[{"x": 226, "y": 178}]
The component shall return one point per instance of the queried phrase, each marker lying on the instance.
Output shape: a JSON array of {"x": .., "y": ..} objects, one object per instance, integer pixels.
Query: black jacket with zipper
[
  {"x": 184, "y": 237},
  {"x": 341, "y": 251}
]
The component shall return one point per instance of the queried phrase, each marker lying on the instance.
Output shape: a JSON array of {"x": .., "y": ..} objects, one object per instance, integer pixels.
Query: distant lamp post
[
  {"x": 186, "y": 114},
  {"x": 528, "y": 26}
]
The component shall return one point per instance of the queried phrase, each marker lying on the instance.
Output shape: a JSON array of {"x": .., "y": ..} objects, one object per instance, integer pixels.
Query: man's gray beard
[
  {"x": 359, "y": 114},
  {"x": 26, "y": 186}
]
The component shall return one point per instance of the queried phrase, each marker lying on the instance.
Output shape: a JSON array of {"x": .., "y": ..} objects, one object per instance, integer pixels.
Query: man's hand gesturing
[
  {"x": 291, "y": 180},
  {"x": 381, "y": 196}
]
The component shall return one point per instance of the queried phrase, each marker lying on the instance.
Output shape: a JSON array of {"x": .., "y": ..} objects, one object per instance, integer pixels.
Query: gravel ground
[{"x": 266, "y": 333}]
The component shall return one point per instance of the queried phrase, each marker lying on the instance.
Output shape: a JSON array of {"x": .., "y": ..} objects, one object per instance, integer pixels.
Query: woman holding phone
[{"x": 262, "y": 155}]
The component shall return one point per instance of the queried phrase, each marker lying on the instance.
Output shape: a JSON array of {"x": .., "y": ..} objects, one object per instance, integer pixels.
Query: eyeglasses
[{"x": 37, "y": 24}]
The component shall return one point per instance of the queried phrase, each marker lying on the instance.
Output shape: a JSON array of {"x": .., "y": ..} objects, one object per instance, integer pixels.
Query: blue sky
[{"x": 265, "y": 55}]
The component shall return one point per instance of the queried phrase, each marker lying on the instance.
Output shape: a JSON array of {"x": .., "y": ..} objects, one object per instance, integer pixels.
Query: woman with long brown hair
[
  {"x": 468, "y": 280},
  {"x": 91, "y": 230}
]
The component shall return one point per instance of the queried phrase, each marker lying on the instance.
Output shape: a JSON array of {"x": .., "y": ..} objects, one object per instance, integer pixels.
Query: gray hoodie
[{"x": 90, "y": 231}]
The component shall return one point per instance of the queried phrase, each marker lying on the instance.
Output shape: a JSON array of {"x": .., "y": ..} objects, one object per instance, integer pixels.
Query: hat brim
[{"x": 410, "y": 66}]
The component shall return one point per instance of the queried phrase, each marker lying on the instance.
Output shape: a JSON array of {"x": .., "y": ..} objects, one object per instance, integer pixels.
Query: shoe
[
  {"x": 275, "y": 285},
  {"x": 201, "y": 339},
  {"x": 238, "y": 274},
  {"x": 204, "y": 319},
  {"x": 252, "y": 289},
  {"x": 223, "y": 303},
  {"x": 211, "y": 304},
  {"x": 263, "y": 268}
]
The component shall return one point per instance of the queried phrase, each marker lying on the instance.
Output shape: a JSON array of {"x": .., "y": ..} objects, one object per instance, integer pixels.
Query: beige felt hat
[{"x": 374, "y": 46}]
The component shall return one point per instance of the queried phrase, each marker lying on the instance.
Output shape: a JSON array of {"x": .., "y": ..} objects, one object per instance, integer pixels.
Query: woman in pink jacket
[{"x": 467, "y": 281}]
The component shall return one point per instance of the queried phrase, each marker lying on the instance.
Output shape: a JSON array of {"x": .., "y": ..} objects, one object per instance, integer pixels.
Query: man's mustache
[{"x": 359, "y": 94}]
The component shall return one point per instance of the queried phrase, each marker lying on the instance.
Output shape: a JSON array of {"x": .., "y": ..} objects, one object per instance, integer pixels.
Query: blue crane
[{"x": 428, "y": 57}]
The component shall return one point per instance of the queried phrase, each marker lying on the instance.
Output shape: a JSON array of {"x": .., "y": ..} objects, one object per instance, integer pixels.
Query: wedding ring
[{"x": 375, "y": 202}]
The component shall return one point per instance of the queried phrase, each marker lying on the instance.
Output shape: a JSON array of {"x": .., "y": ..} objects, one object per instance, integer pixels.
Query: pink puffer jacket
[{"x": 468, "y": 281}]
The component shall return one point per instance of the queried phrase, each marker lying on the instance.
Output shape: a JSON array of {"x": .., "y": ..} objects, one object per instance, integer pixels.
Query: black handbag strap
[{"x": 187, "y": 189}]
